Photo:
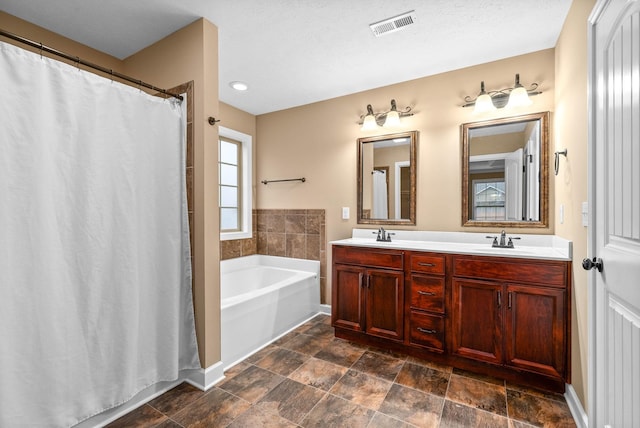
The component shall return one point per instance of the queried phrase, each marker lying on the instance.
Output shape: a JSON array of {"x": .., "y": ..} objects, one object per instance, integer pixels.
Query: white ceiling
[{"x": 296, "y": 52}]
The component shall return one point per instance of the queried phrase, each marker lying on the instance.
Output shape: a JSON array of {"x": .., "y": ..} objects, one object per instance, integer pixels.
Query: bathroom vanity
[{"x": 454, "y": 299}]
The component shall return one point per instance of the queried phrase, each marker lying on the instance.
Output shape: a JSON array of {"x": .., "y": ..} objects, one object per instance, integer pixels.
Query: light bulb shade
[
  {"x": 369, "y": 123},
  {"x": 484, "y": 103},
  {"x": 519, "y": 98},
  {"x": 392, "y": 120}
]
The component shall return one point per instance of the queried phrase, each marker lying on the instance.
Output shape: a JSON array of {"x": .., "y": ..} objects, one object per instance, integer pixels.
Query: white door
[
  {"x": 513, "y": 185},
  {"x": 614, "y": 174}
]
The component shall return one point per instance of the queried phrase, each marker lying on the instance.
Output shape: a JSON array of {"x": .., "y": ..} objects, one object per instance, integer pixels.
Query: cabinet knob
[
  {"x": 425, "y": 330},
  {"x": 426, "y": 264},
  {"x": 426, "y": 293}
]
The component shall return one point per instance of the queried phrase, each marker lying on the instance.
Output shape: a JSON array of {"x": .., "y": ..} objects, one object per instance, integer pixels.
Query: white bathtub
[{"x": 262, "y": 298}]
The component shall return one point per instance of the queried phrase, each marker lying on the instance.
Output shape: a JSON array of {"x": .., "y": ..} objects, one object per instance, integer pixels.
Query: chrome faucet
[
  {"x": 503, "y": 240},
  {"x": 503, "y": 236}
]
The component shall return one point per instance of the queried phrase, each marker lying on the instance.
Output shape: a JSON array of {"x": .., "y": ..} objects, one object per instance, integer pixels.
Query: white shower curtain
[
  {"x": 380, "y": 198},
  {"x": 95, "y": 294}
]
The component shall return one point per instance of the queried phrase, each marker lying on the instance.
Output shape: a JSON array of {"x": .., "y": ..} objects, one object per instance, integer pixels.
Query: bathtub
[{"x": 262, "y": 298}]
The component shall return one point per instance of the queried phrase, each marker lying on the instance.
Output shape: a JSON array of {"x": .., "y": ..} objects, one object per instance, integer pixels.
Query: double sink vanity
[{"x": 454, "y": 298}]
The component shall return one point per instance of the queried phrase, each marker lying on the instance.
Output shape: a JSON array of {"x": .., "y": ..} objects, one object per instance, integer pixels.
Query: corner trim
[
  {"x": 575, "y": 406},
  {"x": 204, "y": 379},
  {"x": 325, "y": 309}
]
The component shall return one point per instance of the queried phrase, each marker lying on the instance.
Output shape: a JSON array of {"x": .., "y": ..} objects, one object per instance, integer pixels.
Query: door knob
[{"x": 588, "y": 264}]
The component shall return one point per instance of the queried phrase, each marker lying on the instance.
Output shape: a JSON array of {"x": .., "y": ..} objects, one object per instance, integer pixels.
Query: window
[
  {"x": 234, "y": 184},
  {"x": 489, "y": 200}
]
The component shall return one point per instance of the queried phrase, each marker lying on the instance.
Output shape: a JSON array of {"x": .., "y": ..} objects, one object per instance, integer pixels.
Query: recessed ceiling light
[{"x": 239, "y": 86}]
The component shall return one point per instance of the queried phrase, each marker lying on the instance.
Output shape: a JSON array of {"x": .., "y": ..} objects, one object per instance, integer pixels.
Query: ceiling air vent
[{"x": 393, "y": 24}]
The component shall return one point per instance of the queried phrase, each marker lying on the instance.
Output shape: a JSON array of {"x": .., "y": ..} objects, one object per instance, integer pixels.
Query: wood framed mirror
[
  {"x": 505, "y": 177},
  {"x": 387, "y": 179}
]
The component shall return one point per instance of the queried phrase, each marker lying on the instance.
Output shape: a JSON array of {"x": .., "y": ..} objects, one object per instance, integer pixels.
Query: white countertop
[{"x": 549, "y": 247}]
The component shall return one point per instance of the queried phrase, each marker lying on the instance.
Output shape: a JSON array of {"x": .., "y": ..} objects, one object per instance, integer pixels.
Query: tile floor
[{"x": 308, "y": 378}]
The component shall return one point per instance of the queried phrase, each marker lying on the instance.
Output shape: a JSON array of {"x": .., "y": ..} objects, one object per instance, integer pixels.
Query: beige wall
[
  {"x": 570, "y": 128},
  {"x": 189, "y": 54},
  {"x": 318, "y": 141}
]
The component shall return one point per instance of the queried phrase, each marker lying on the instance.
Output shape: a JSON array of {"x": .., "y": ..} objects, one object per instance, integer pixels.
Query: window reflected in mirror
[
  {"x": 504, "y": 172},
  {"x": 386, "y": 179}
]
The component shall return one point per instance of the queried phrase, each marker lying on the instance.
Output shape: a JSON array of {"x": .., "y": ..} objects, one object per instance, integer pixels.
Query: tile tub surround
[
  {"x": 287, "y": 233},
  {"x": 308, "y": 378}
]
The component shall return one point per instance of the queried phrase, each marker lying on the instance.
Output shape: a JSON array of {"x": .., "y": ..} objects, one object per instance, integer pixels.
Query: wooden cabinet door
[
  {"x": 476, "y": 315},
  {"x": 384, "y": 302},
  {"x": 347, "y": 297},
  {"x": 535, "y": 329}
]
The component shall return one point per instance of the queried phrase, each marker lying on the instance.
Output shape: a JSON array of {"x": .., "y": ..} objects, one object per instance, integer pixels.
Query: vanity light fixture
[
  {"x": 388, "y": 119},
  {"x": 517, "y": 96}
]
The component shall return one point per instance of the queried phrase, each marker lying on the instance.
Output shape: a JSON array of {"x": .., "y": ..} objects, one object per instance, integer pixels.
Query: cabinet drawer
[
  {"x": 389, "y": 259},
  {"x": 427, "y": 330},
  {"x": 427, "y": 293},
  {"x": 427, "y": 263},
  {"x": 541, "y": 272}
]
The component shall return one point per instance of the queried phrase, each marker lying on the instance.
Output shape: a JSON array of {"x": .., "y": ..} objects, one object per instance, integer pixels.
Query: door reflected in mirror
[
  {"x": 504, "y": 172},
  {"x": 386, "y": 179}
]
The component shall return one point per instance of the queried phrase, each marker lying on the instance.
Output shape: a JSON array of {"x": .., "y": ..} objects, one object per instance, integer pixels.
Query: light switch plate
[
  {"x": 561, "y": 213},
  {"x": 345, "y": 213}
]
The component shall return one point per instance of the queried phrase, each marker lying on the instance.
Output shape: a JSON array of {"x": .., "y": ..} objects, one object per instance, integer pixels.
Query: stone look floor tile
[
  {"x": 412, "y": 406},
  {"x": 169, "y": 424},
  {"x": 285, "y": 338},
  {"x": 423, "y": 378},
  {"x": 238, "y": 368},
  {"x": 282, "y": 361},
  {"x": 478, "y": 394},
  {"x": 556, "y": 396},
  {"x": 379, "y": 365},
  {"x": 216, "y": 408},
  {"x": 483, "y": 378},
  {"x": 254, "y": 417},
  {"x": 459, "y": 415},
  {"x": 430, "y": 364},
  {"x": 143, "y": 417},
  {"x": 320, "y": 330},
  {"x": 252, "y": 384},
  {"x": 335, "y": 412},
  {"x": 340, "y": 352},
  {"x": 290, "y": 400},
  {"x": 176, "y": 399},
  {"x": 254, "y": 358},
  {"x": 306, "y": 344},
  {"x": 538, "y": 411},
  {"x": 318, "y": 373},
  {"x": 335, "y": 383},
  {"x": 383, "y": 421},
  {"x": 362, "y": 389}
]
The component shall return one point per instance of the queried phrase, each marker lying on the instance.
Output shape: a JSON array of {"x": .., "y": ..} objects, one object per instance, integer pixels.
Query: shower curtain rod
[{"x": 77, "y": 60}]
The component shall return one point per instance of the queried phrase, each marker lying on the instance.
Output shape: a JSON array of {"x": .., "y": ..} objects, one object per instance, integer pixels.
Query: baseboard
[
  {"x": 325, "y": 309},
  {"x": 204, "y": 379},
  {"x": 575, "y": 406}
]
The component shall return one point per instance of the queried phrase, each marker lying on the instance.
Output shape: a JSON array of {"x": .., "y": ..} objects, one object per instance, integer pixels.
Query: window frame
[{"x": 245, "y": 184}]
